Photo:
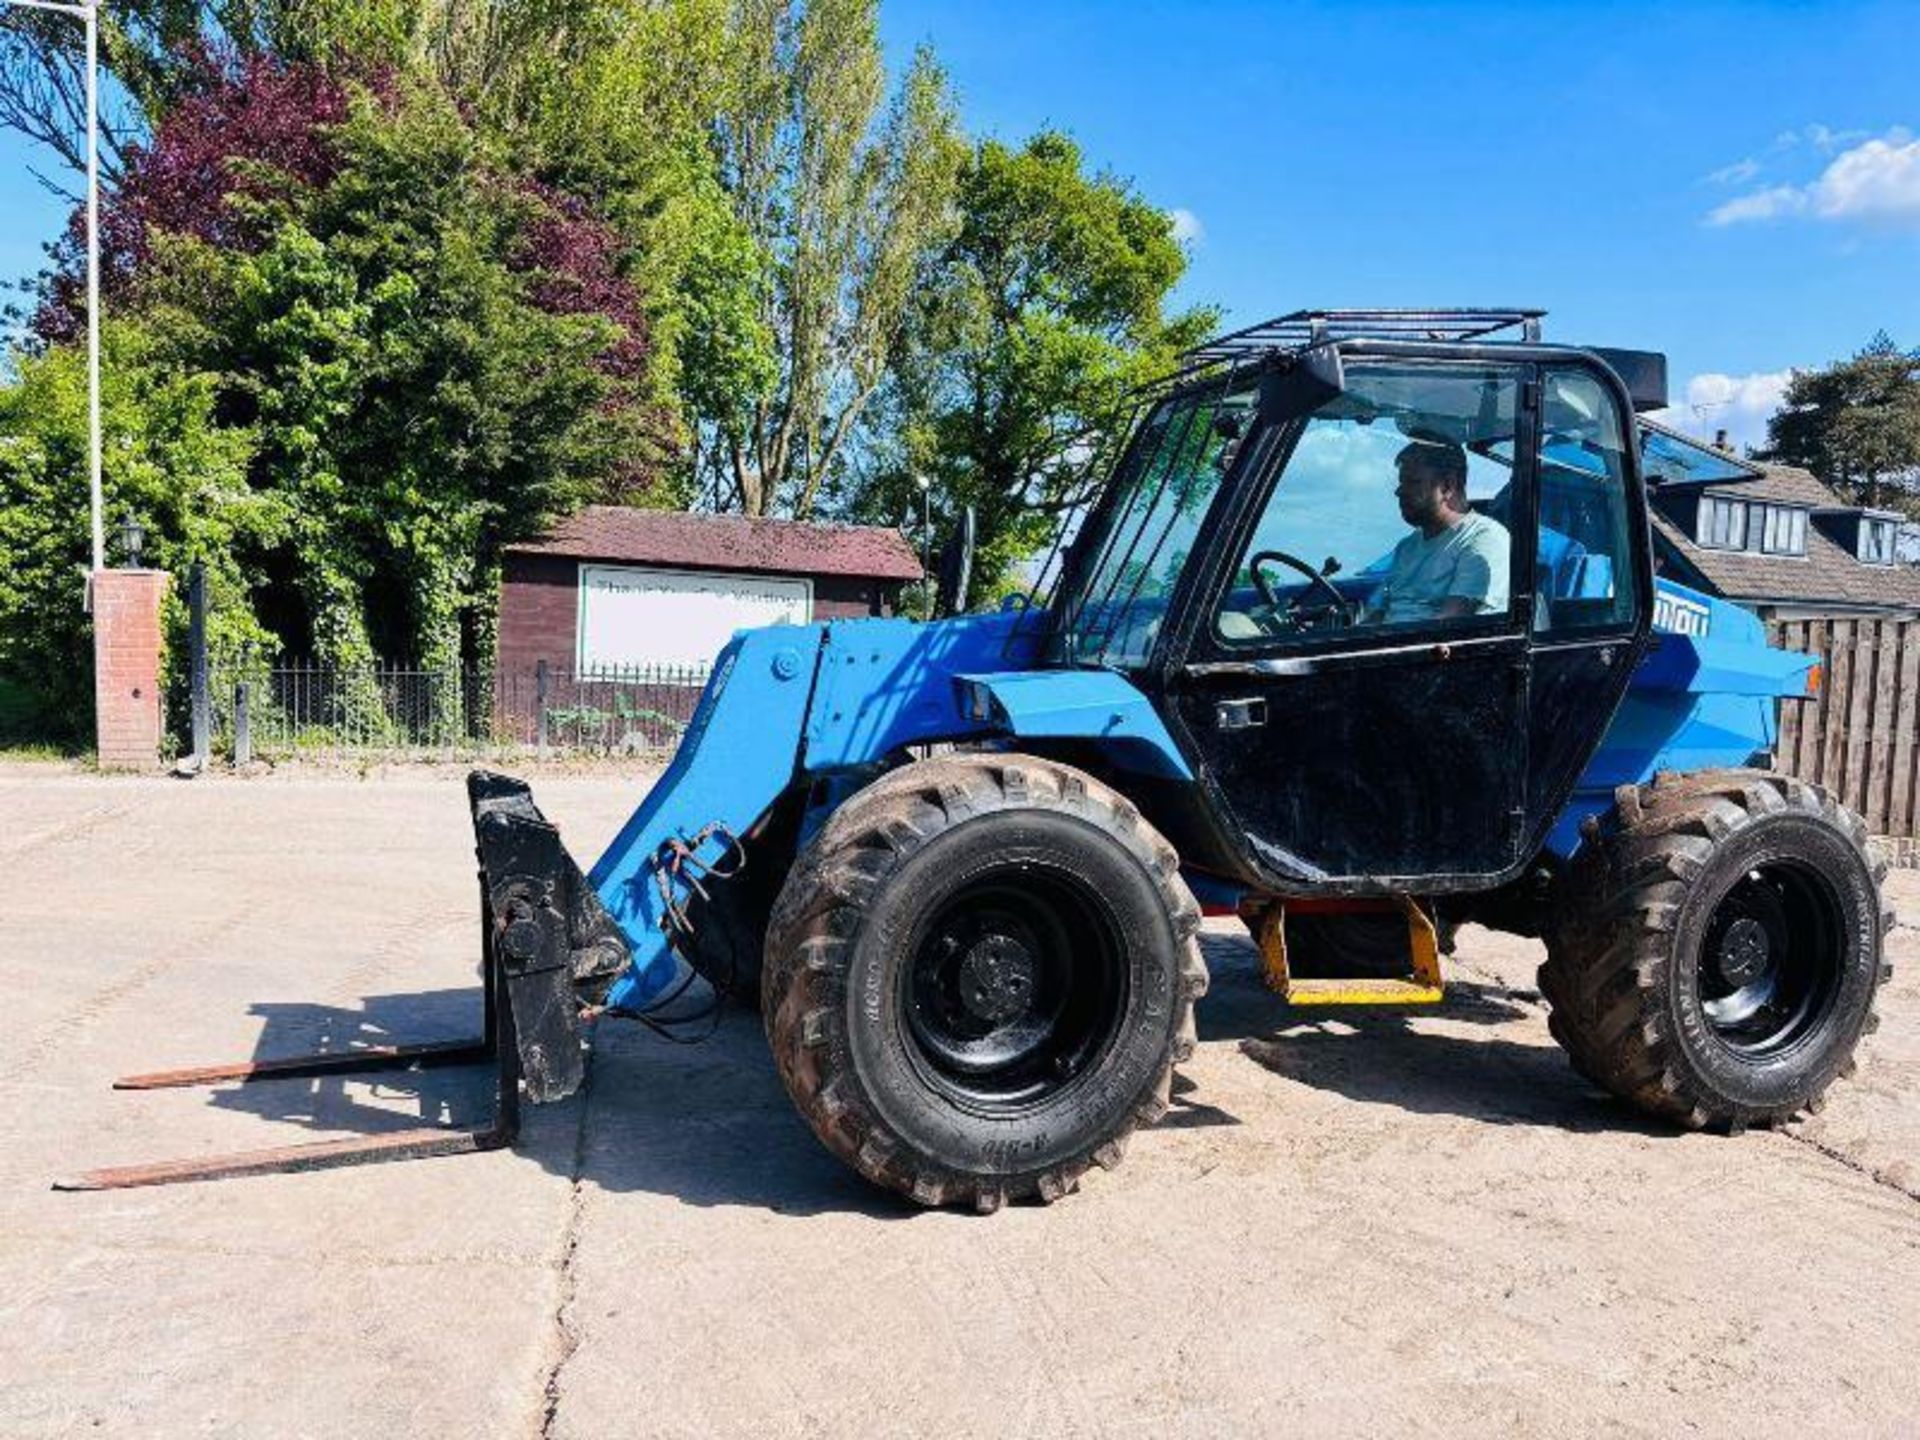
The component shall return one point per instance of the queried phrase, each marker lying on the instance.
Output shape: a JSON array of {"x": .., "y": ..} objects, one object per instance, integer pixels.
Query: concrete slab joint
[{"x": 126, "y": 667}]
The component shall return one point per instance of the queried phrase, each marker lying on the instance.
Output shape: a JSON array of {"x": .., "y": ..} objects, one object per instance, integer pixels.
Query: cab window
[
  {"x": 1392, "y": 512},
  {"x": 1584, "y": 561},
  {"x": 1160, "y": 499}
]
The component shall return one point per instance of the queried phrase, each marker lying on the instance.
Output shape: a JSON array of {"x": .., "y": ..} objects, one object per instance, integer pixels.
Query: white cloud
[
  {"x": 1826, "y": 139},
  {"x": 1768, "y": 204},
  {"x": 1187, "y": 228},
  {"x": 1737, "y": 173},
  {"x": 1823, "y": 138},
  {"x": 1876, "y": 182},
  {"x": 1737, "y": 404}
]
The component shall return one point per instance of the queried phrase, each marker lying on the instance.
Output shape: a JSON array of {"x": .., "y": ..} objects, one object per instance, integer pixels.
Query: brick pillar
[{"x": 126, "y": 666}]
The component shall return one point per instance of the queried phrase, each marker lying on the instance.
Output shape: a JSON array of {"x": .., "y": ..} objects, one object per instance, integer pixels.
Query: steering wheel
[{"x": 1340, "y": 604}]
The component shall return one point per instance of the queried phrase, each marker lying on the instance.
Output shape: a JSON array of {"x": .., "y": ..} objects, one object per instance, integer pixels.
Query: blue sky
[
  {"x": 1570, "y": 156},
  {"x": 1738, "y": 185}
]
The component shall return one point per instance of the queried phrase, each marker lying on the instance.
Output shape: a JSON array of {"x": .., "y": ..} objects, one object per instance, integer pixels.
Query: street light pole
[
  {"x": 90, "y": 13},
  {"x": 926, "y": 544},
  {"x": 95, "y": 494}
]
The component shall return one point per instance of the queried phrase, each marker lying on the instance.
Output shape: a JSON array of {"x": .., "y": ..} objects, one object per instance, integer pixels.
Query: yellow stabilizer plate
[{"x": 1423, "y": 987}]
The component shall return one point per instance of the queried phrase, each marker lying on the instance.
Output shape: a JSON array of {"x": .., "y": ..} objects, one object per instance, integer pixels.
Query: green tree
[
  {"x": 153, "y": 53},
  {"x": 168, "y": 462},
  {"x": 1051, "y": 309},
  {"x": 1855, "y": 424},
  {"x": 849, "y": 199},
  {"x": 473, "y": 264},
  {"x": 415, "y": 408},
  {"x": 410, "y": 362},
  {"x": 620, "y": 101}
]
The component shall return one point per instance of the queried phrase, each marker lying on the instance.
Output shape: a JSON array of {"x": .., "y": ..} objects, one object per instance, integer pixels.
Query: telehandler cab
[{"x": 1360, "y": 640}]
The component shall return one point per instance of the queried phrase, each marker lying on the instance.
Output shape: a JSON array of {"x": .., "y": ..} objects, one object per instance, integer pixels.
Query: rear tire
[
  {"x": 979, "y": 978},
  {"x": 1715, "y": 957}
]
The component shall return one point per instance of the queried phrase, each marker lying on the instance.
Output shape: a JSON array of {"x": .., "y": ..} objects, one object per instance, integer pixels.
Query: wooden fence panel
[
  {"x": 1859, "y": 731},
  {"x": 1861, "y": 738},
  {"x": 1886, "y": 670},
  {"x": 1792, "y": 731},
  {"x": 1820, "y": 641},
  {"x": 1832, "y": 770},
  {"x": 1900, "y": 813},
  {"x": 1807, "y": 723}
]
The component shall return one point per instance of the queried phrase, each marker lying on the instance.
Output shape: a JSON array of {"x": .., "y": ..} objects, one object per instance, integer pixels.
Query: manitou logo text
[{"x": 1680, "y": 617}]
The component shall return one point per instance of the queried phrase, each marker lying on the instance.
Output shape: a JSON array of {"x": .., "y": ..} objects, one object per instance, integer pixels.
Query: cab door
[{"x": 1354, "y": 683}]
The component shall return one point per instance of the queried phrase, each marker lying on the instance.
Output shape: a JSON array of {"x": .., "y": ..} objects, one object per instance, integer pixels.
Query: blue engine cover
[
  {"x": 818, "y": 701},
  {"x": 1705, "y": 697}
]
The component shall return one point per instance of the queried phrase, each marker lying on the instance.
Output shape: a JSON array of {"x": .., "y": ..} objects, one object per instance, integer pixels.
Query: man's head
[{"x": 1433, "y": 483}]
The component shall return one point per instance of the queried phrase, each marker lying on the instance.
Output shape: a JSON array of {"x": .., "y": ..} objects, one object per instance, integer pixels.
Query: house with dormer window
[{"x": 1771, "y": 537}]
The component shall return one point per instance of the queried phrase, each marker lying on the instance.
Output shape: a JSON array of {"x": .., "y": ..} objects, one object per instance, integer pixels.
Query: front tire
[
  {"x": 1716, "y": 956},
  {"x": 979, "y": 977}
]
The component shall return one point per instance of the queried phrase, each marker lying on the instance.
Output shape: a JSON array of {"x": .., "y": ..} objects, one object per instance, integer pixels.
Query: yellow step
[
  {"x": 1423, "y": 987},
  {"x": 1361, "y": 992}
]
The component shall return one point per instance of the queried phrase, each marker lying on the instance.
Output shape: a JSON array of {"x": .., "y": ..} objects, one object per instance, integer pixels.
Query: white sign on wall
[{"x": 634, "y": 616}]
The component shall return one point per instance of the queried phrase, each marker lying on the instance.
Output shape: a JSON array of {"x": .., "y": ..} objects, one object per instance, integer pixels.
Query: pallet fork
[{"x": 544, "y": 939}]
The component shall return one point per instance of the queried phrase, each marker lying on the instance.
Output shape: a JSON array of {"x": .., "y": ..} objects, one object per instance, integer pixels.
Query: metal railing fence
[{"x": 280, "y": 709}]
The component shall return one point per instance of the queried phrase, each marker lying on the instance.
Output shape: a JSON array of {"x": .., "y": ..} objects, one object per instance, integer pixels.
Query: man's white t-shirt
[{"x": 1465, "y": 562}]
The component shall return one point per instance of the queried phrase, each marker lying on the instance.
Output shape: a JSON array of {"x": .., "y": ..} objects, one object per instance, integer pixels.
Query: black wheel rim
[
  {"x": 1771, "y": 964},
  {"x": 1015, "y": 988}
]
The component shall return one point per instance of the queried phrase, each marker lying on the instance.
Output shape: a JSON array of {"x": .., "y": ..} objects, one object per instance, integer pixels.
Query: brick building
[{"x": 612, "y": 588}]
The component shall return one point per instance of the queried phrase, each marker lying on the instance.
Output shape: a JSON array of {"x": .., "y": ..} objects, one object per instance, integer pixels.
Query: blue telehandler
[{"x": 1360, "y": 640}]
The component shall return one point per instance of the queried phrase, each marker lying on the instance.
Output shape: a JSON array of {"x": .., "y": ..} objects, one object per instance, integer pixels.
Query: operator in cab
[{"x": 1455, "y": 561}]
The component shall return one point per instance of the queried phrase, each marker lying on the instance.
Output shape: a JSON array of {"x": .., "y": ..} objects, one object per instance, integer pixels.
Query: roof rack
[{"x": 1313, "y": 327}]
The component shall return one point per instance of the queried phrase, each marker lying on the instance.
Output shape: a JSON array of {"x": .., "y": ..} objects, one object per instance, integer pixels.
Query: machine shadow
[
  {"x": 707, "y": 1124},
  {"x": 375, "y": 1102},
  {"x": 1239, "y": 1005},
  {"x": 1378, "y": 1057},
  {"x": 710, "y": 1124}
]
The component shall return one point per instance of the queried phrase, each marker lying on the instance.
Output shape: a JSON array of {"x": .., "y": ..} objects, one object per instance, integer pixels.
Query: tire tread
[
  {"x": 1615, "y": 934},
  {"x": 818, "y": 912}
]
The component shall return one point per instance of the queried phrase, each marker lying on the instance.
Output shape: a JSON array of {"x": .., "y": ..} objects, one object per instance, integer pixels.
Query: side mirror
[
  {"x": 1331, "y": 566},
  {"x": 1315, "y": 377},
  {"x": 956, "y": 565}
]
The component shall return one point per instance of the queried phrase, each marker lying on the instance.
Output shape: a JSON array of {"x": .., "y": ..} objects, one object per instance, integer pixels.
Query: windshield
[
  {"x": 1673, "y": 459},
  {"x": 1126, "y": 565}
]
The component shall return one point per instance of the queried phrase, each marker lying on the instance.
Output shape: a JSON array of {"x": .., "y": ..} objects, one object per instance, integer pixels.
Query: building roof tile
[
  {"x": 1827, "y": 574},
  {"x": 677, "y": 540},
  {"x": 1782, "y": 484}
]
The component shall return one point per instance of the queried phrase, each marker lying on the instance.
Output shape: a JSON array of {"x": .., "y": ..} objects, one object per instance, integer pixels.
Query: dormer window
[
  {"x": 1728, "y": 524},
  {"x": 1876, "y": 541},
  {"x": 1723, "y": 523},
  {"x": 1784, "y": 530}
]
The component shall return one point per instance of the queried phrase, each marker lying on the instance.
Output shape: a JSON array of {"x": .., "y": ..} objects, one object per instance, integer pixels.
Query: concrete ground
[{"x": 1376, "y": 1223}]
